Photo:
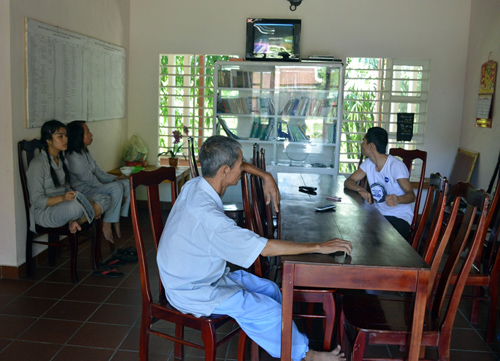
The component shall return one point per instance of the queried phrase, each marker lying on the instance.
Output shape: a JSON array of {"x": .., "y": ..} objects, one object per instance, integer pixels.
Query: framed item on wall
[
  {"x": 71, "y": 76},
  {"x": 484, "y": 110}
]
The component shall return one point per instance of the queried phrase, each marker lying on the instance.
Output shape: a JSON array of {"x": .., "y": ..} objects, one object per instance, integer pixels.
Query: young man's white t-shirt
[{"x": 386, "y": 182}]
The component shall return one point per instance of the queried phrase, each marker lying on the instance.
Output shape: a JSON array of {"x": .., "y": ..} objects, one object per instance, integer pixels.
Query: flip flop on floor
[
  {"x": 128, "y": 251},
  {"x": 115, "y": 262},
  {"x": 125, "y": 257},
  {"x": 108, "y": 272}
]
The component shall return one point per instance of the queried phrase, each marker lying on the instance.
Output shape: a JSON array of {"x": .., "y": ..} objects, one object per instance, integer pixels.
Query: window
[
  {"x": 375, "y": 91},
  {"x": 186, "y": 97}
]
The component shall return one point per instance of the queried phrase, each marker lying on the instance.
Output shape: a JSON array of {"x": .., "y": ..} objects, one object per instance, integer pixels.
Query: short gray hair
[{"x": 217, "y": 151}]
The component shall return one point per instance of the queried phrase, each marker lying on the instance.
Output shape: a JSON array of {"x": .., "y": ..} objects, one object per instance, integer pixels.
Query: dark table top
[{"x": 375, "y": 242}]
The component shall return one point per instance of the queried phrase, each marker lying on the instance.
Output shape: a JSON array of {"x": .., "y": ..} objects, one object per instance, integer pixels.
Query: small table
[
  {"x": 181, "y": 172},
  {"x": 381, "y": 259}
]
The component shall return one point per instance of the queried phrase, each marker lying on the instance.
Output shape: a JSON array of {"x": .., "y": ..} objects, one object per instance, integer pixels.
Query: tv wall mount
[{"x": 294, "y": 4}]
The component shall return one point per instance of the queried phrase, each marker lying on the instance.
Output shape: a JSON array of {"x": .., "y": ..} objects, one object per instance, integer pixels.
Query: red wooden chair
[
  {"x": 374, "y": 319},
  {"x": 485, "y": 272},
  {"x": 26, "y": 152},
  {"x": 408, "y": 156},
  {"x": 161, "y": 310},
  {"x": 263, "y": 267}
]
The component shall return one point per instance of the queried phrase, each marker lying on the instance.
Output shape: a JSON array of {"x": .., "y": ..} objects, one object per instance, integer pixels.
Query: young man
[
  {"x": 388, "y": 177},
  {"x": 199, "y": 239}
]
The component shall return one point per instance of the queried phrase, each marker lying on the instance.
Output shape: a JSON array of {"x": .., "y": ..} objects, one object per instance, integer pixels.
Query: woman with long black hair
[
  {"x": 51, "y": 195},
  {"x": 88, "y": 178}
]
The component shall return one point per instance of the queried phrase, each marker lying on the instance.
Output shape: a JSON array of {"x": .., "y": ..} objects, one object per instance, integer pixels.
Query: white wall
[
  {"x": 424, "y": 29},
  {"x": 484, "y": 38},
  {"x": 7, "y": 210},
  {"x": 106, "y": 20}
]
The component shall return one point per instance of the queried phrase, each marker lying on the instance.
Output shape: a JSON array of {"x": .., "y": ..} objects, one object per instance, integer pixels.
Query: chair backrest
[
  {"x": 151, "y": 180},
  {"x": 463, "y": 166},
  {"x": 434, "y": 195},
  {"x": 489, "y": 261},
  {"x": 193, "y": 167},
  {"x": 27, "y": 150},
  {"x": 408, "y": 156},
  {"x": 471, "y": 227}
]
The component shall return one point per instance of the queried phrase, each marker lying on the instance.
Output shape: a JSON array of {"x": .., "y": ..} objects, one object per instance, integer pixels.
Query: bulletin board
[{"x": 70, "y": 76}]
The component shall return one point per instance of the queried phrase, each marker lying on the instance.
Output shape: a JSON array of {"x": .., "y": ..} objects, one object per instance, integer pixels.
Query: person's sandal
[{"x": 108, "y": 272}]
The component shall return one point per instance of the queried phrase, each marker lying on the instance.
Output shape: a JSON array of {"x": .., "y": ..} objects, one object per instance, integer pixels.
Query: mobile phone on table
[{"x": 325, "y": 208}]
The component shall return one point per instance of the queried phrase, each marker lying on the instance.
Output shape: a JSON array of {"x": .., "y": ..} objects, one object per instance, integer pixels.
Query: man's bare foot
[
  {"x": 335, "y": 355},
  {"x": 118, "y": 231},
  {"x": 74, "y": 226},
  {"x": 107, "y": 231}
]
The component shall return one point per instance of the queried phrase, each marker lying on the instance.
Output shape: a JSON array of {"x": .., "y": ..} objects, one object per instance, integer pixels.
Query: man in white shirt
[
  {"x": 388, "y": 177},
  {"x": 199, "y": 239}
]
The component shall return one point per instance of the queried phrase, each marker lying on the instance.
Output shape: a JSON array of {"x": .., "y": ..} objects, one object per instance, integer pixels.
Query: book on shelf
[
  {"x": 296, "y": 133},
  {"x": 254, "y": 132},
  {"x": 282, "y": 130},
  {"x": 303, "y": 131},
  {"x": 224, "y": 126}
]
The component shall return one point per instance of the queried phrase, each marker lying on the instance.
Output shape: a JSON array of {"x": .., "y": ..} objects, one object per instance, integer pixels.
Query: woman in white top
[
  {"x": 51, "y": 195},
  {"x": 88, "y": 178}
]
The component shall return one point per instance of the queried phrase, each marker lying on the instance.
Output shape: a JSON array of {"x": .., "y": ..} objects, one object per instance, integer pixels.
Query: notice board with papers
[{"x": 70, "y": 76}]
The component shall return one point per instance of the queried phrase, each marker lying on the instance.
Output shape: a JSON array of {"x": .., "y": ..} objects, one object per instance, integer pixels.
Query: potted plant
[{"x": 176, "y": 148}]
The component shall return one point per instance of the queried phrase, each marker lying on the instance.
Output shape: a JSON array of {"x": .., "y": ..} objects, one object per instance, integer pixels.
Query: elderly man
[{"x": 199, "y": 239}]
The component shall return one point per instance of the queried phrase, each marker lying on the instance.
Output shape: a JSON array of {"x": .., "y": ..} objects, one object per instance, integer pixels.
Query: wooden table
[
  {"x": 381, "y": 259},
  {"x": 181, "y": 172}
]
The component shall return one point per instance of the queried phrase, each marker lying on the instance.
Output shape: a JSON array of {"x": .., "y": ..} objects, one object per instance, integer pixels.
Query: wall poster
[
  {"x": 484, "y": 110},
  {"x": 71, "y": 76}
]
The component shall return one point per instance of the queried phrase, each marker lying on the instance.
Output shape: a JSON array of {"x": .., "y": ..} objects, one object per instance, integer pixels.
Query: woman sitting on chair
[
  {"x": 88, "y": 178},
  {"x": 48, "y": 177}
]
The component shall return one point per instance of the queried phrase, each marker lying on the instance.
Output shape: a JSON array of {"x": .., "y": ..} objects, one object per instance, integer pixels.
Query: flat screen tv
[{"x": 273, "y": 39}]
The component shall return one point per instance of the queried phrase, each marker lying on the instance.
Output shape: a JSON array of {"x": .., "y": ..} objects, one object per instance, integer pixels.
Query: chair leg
[
  {"x": 95, "y": 234},
  {"x": 474, "y": 316},
  {"x": 73, "y": 242},
  {"x": 358, "y": 349},
  {"x": 329, "y": 311},
  {"x": 52, "y": 250},
  {"x": 493, "y": 312},
  {"x": 144, "y": 339},
  {"x": 30, "y": 269},
  {"x": 179, "y": 347},
  {"x": 242, "y": 340},
  {"x": 209, "y": 337}
]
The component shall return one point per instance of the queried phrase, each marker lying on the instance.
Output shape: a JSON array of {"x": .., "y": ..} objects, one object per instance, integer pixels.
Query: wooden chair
[
  {"x": 485, "y": 272},
  {"x": 378, "y": 320},
  {"x": 436, "y": 192},
  {"x": 27, "y": 150},
  {"x": 463, "y": 166},
  {"x": 263, "y": 267},
  {"x": 161, "y": 310},
  {"x": 232, "y": 210},
  {"x": 193, "y": 168},
  {"x": 408, "y": 156}
]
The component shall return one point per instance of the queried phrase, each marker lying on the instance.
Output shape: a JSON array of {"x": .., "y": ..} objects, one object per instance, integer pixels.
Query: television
[{"x": 273, "y": 39}]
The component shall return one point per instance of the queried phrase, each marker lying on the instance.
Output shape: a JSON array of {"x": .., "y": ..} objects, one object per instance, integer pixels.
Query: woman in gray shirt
[
  {"x": 51, "y": 195},
  {"x": 88, "y": 178}
]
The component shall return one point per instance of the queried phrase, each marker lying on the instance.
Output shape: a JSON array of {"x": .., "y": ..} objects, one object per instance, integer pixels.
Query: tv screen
[{"x": 273, "y": 39}]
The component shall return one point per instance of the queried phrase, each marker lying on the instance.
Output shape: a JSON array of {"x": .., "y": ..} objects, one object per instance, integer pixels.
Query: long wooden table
[{"x": 381, "y": 259}]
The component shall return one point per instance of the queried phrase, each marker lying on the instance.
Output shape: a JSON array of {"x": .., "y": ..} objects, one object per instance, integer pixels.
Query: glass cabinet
[{"x": 292, "y": 110}]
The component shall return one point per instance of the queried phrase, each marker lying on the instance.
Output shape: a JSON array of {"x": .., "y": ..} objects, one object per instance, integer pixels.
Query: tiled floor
[{"x": 49, "y": 318}]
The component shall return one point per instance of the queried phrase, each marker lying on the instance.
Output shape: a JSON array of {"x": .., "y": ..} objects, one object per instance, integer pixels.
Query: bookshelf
[{"x": 292, "y": 110}]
